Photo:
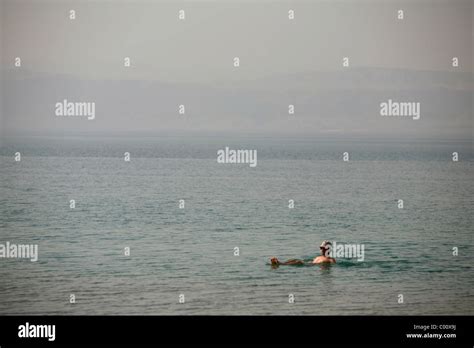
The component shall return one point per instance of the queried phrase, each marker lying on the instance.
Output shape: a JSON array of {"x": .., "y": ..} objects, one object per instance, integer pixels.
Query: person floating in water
[{"x": 323, "y": 258}]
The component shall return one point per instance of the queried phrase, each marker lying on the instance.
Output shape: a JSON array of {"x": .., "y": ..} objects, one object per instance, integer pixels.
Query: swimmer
[{"x": 325, "y": 248}]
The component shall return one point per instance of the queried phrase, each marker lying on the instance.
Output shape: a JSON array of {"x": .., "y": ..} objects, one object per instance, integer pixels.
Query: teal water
[{"x": 407, "y": 251}]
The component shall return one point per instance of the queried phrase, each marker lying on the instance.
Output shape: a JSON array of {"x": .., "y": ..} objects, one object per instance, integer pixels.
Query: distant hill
[{"x": 341, "y": 102}]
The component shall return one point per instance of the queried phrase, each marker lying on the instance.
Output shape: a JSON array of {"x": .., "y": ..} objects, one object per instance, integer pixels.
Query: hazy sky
[
  {"x": 199, "y": 51},
  {"x": 202, "y": 47}
]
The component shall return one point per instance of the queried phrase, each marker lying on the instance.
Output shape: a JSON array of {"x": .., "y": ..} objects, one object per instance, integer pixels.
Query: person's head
[{"x": 325, "y": 247}]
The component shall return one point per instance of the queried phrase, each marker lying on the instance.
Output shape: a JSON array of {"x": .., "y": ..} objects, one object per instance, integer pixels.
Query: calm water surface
[{"x": 118, "y": 204}]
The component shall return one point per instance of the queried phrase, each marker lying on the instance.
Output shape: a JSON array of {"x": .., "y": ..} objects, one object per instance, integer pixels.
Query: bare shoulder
[
  {"x": 320, "y": 259},
  {"x": 324, "y": 259}
]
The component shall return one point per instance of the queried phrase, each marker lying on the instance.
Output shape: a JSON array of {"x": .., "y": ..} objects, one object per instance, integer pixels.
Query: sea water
[{"x": 191, "y": 251}]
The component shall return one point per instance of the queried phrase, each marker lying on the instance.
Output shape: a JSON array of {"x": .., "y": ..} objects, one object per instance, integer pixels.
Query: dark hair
[{"x": 325, "y": 248}]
